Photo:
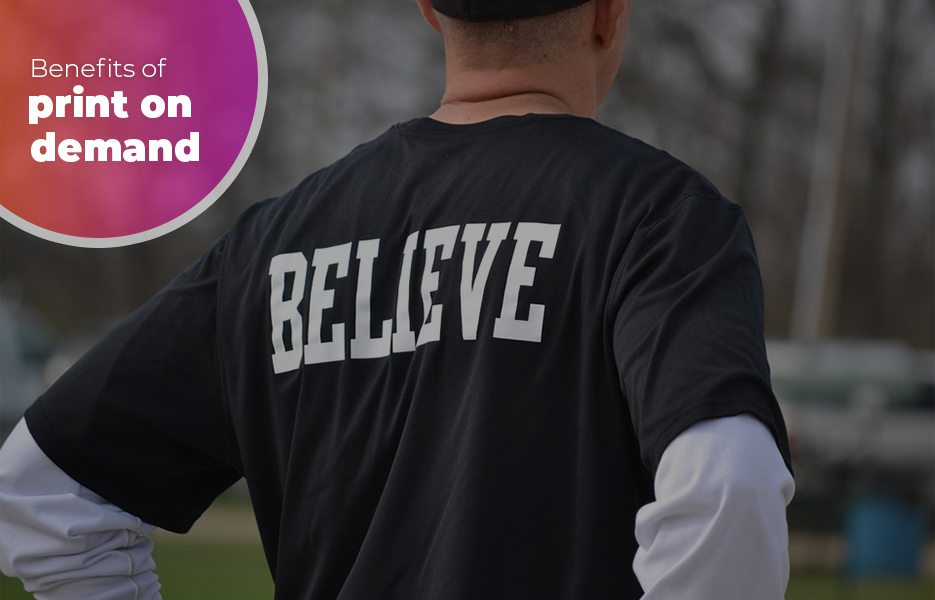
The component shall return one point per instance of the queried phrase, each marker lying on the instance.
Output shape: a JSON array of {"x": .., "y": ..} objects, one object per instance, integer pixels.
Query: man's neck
[
  {"x": 471, "y": 96},
  {"x": 466, "y": 112}
]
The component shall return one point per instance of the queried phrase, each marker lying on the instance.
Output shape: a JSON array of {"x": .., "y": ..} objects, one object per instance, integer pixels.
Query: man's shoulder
[
  {"x": 603, "y": 166},
  {"x": 618, "y": 170},
  {"x": 641, "y": 160}
]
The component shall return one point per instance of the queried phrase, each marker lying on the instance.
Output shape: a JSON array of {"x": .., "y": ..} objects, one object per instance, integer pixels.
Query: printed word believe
[{"x": 293, "y": 318}]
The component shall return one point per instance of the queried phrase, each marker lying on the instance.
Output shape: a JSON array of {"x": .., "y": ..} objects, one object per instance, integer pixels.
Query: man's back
[{"x": 448, "y": 364}]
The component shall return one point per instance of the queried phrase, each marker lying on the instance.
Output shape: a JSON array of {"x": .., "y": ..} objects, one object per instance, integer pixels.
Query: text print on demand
[{"x": 152, "y": 107}]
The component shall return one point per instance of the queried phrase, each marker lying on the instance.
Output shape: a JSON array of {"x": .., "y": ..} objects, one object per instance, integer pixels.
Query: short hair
[{"x": 518, "y": 41}]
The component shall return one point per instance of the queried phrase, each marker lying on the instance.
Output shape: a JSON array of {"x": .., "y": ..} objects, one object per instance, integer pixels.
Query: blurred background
[{"x": 817, "y": 117}]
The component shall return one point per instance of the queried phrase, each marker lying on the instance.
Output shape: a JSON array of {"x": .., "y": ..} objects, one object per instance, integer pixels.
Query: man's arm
[
  {"x": 717, "y": 530},
  {"x": 63, "y": 540}
]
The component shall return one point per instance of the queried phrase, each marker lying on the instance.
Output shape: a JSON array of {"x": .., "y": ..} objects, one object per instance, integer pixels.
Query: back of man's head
[
  {"x": 505, "y": 57},
  {"x": 497, "y": 34},
  {"x": 501, "y": 10}
]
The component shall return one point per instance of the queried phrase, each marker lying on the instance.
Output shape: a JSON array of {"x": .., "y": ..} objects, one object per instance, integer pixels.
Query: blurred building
[{"x": 27, "y": 341}]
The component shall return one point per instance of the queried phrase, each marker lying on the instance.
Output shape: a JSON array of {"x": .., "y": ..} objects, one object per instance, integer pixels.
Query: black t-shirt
[{"x": 447, "y": 365}]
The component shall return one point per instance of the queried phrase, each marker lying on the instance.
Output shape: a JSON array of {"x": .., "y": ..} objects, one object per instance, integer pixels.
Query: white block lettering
[
  {"x": 321, "y": 299},
  {"x": 404, "y": 340},
  {"x": 283, "y": 310},
  {"x": 445, "y": 237},
  {"x": 507, "y": 326},
  {"x": 472, "y": 286},
  {"x": 299, "y": 297},
  {"x": 362, "y": 345}
]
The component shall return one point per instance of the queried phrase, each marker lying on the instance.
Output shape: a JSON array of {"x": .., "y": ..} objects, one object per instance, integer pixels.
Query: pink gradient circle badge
[{"x": 122, "y": 120}]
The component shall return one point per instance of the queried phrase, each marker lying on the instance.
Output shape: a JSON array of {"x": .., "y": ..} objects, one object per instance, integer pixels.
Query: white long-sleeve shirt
[{"x": 716, "y": 531}]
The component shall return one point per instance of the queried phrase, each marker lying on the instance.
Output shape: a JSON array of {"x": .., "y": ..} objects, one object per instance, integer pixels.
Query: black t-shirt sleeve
[
  {"x": 141, "y": 418},
  {"x": 687, "y": 305}
]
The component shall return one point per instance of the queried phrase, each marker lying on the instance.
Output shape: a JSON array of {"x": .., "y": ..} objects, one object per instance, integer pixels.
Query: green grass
[
  {"x": 205, "y": 571},
  {"x": 196, "y": 571},
  {"x": 825, "y": 586},
  {"x": 201, "y": 570}
]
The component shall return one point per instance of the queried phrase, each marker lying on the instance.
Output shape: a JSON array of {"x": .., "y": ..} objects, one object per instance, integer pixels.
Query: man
[{"x": 501, "y": 352}]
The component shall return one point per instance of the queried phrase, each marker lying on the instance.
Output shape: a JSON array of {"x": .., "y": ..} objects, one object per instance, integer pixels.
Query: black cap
[{"x": 501, "y": 10}]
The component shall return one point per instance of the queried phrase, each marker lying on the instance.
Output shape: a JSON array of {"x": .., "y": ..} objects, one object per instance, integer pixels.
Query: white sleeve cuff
[
  {"x": 717, "y": 530},
  {"x": 63, "y": 540}
]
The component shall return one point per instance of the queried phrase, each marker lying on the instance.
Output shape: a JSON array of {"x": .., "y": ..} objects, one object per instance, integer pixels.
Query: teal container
[{"x": 885, "y": 537}]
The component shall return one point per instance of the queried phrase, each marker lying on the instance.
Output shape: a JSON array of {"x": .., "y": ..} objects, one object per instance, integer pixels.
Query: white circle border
[{"x": 207, "y": 201}]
